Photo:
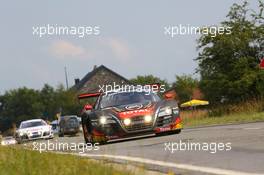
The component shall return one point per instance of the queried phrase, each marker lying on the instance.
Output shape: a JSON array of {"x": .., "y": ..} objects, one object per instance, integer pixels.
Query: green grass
[
  {"x": 16, "y": 160},
  {"x": 225, "y": 119}
]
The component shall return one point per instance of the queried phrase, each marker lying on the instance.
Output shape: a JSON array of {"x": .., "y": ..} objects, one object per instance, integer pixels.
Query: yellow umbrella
[{"x": 194, "y": 103}]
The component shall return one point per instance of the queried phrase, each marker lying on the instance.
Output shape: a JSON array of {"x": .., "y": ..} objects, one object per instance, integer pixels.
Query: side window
[
  {"x": 96, "y": 106},
  {"x": 43, "y": 122},
  {"x": 156, "y": 97}
]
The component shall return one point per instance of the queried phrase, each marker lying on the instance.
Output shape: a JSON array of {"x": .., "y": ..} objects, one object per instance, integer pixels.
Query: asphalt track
[{"x": 245, "y": 157}]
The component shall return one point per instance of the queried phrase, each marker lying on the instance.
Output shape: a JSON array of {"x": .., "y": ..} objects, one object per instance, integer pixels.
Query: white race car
[
  {"x": 34, "y": 129},
  {"x": 8, "y": 141}
]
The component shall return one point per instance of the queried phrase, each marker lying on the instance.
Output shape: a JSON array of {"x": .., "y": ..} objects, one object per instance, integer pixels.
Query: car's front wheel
[
  {"x": 87, "y": 130},
  {"x": 178, "y": 131},
  {"x": 61, "y": 133},
  {"x": 21, "y": 139}
]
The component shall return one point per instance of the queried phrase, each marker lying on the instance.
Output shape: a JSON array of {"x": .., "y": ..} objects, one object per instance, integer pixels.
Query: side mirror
[
  {"x": 88, "y": 107},
  {"x": 168, "y": 96}
]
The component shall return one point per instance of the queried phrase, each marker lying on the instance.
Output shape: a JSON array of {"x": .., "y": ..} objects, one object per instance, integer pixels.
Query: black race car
[{"x": 118, "y": 115}]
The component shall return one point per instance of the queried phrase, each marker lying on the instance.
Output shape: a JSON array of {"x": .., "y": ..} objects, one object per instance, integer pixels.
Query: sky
[{"x": 131, "y": 41}]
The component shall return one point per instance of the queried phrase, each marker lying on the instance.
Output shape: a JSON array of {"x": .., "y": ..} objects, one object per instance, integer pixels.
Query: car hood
[
  {"x": 129, "y": 110},
  {"x": 133, "y": 106},
  {"x": 135, "y": 109}
]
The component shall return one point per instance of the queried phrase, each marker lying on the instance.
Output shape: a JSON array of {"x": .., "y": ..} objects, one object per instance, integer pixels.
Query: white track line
[
  {"x": 170, "y": 164},
  {"x": 251, "y": 128}
]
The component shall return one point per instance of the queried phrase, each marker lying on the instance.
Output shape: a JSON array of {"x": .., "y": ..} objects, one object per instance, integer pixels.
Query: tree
[
  {"x": 185, "y": 87},
  {"x": 228, "y": 62},
  {"x": 149, "y": 79},
  {"x": 67, "y": 101},
  {"x": 20, "y": 104},
  {"x": 48, "y": 99},
  {"x": 58, "y": 100},
  {"x": 24, "y": 104}
]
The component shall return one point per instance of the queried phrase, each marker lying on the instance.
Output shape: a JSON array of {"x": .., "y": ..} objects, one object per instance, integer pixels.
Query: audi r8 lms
[
  {"x": 33, "y": 129},
  {"x": 119, "y": 115}
]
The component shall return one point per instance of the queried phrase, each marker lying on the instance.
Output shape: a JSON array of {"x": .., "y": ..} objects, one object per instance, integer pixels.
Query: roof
[
  {"x": 92, "y": 73},
  {"x": 32, "y": 120}
]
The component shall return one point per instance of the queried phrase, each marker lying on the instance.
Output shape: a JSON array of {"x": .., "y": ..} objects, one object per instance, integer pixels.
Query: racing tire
[
  {"x": 21, "y": 140},
  {"x": 178, "y": 131},
  {"x": 87, "y": 130},
  {"x": 61, "y": 133}
]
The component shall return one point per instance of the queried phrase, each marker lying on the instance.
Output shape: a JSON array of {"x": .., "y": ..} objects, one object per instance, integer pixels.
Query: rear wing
[
  {"x": 87, "y": 106},
  {"x": 89, "y": 95}
]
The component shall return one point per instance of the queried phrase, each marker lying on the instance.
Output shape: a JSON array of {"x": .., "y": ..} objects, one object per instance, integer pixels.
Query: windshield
[
  {"x": 8, "y": 138},
  {"x": 32, "y": 124},
  {"x": 125, "y": 98}
]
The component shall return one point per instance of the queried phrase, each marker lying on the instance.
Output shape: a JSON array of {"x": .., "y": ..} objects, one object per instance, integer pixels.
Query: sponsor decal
[
  {"x": 112, "y": 137},
  {"x": 133, "y": 113},
  {"x": 133, "y": 107},
  {"x": 168, "y": 128}
]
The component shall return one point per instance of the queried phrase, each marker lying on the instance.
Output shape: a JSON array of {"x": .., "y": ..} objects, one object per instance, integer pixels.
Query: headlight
[
  {"x": 21, "y": 133},
  {"x": 127, "y": 121},
  {"x": 176, "y": 111},
  {"x": 148, "y": 118},
  {"x": 47, "y": 129},
  {"x": 102, "y": 120},
  {"x": 165, "y": 111}
]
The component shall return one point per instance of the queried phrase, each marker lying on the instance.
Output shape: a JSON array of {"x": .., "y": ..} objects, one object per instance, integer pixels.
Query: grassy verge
[
  {"x": 14, "y": 160},
  {"x": 225, "y": 119}
]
